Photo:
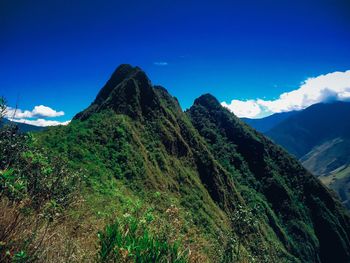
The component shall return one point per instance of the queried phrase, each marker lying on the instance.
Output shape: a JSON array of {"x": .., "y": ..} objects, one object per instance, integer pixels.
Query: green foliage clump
[
  {"x": 130, "y": 239},
  {"x": 31, "y": 174},
  {"x": 33, "y": 184}
]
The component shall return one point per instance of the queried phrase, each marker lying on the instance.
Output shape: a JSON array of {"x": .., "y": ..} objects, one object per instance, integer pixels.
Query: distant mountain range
[
  {"x": 265, "y": 124},
  {"x": 319, "y": 136},
  {"x": 23, "y": 127}
]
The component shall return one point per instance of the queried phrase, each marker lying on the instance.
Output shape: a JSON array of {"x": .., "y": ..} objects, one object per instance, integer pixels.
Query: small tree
[
  {"x": 34, "y": 185},
  {"x": 2, "y": 108},
  {"x": 12, "y": 143}
]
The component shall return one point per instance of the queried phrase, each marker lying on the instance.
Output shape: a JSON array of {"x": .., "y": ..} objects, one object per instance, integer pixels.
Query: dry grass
[
  {"x": 72, "y": 237},
  {"x": 66, "y": 239},
  {"x": 15, "y": 229}
]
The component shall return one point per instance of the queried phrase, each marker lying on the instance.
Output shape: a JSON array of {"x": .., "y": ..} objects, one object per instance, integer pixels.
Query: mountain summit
[
  {"x": 128, "y": 91},
  {"x": 242, "y": 197}
]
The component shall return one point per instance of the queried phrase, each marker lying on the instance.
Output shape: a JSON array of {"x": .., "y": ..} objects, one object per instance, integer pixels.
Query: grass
[{"x": 129, "y": 240}]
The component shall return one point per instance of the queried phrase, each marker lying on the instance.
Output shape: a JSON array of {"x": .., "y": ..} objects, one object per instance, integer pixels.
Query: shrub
[
  {"x": 34, "y": 189},
  {"x": 46, "y": 181},
  {"x": 28, "y": 172},
  {"x": 131, "y": 240}
]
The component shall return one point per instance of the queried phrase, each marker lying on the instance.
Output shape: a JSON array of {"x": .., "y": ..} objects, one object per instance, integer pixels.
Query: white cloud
[
  {"x": 323, "y": 88},
  {"x": 45, "y": 111},
  {"x": 38, "y": 111},
  {"x": 160, "y": 63},
  {"x": 41, "y": 122},
  {"x": 247, "y": 108},
  {"x": 36, "y": 116}
]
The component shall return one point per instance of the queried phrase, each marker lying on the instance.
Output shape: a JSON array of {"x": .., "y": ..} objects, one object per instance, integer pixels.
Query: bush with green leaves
[
  {"x": 28, "y": 172},
  {"x": 33, "y": 184},
  {"x": 12, "y": 145},
  {"x": 130, "y": 239}
]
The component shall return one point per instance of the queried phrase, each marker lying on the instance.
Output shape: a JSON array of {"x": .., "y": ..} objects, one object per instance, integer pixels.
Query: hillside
[
  {"x": 23, "y": 127},
  {"x": 312, "y": 127},
  {"x": 207, "y": 183},
  {"x": 319, "y": 137},
  {"x": 261, "y": 156},
  {"x": 267, "y": 123}
]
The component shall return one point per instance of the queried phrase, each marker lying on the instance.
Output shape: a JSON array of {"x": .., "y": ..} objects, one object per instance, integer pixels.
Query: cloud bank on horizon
[
  {"x": 36, "y": 117},
  {"x": 324, "y": 88}
]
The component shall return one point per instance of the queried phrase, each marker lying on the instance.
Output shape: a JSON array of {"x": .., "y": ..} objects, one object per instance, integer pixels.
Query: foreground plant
[
  {"x": 34, "y": 190},
  {"x": 130, "y": 239}
]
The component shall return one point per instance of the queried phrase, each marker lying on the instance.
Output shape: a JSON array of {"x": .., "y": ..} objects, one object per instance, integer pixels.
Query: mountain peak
[
  {"x": 128, "y": 91},
  {"x": 121, "y": 73},
  {"x": 207, "y": 100},
  {"x": 126, "y": 68}
]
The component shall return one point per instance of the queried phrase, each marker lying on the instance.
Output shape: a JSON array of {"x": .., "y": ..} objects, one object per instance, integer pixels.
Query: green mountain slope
[
  {"x": 242, "y": 198},
  {"x": 271, "y": 168},
  {"x": 320, "y": 137},
  {"x": 267, "y": 123},
  {"x": 313, "y": 126},
  {"x": 331, "y": 162},
  {"x": 328, "y": 157}
]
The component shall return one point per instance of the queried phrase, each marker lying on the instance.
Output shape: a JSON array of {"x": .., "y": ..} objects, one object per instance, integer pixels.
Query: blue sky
[{"x": 59, "y": 53}]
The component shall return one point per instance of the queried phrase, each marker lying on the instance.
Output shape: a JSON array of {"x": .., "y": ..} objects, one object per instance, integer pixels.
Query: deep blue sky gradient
[{"x": 60, "y": 53}]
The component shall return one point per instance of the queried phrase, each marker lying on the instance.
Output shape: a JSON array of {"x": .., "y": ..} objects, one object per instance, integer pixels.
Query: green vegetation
[
  {"x": 139, "y": 180},
  {"x": 114, "y": 164},
  {"x": 35, "y": 189},
  {"x": 319, "y": 137},
  {"x": 130, "y": 239},
  {"x": 266, "y": 171}
]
